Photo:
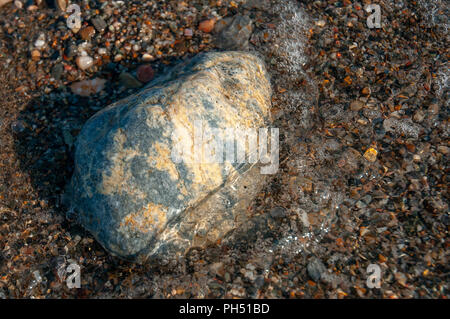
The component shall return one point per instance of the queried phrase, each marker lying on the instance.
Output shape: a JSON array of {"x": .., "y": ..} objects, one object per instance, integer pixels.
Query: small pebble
[
  {"x": 35, "y": 55},
  {"x": 145, "y": 73},
  {"x": 40, "y": 42},
  {"x": 356, "y": 105},
  {"x": 371, "y": 155},
  {"x": 316, "y": 269},
  {"x": 84, "y": 62},
  {"x": 207, "y": 25},
  {"x": 129, "y": 81},
  {"x": 320, "y": 23},
  {"x": 18, "y": 126},
  {"x": 57, "y": 71},
  {"x": 147, "y": 57},
  {"x": 62, "y": 4},
  {"x": 87, "y": 33},
  {"x": 88, "y": 87},
  {"x": 99, "y": 24}
]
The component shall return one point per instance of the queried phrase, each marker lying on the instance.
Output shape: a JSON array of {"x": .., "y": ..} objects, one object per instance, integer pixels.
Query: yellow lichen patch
[
  {"x": 156, "y": 116},
  {"x": 116, "y": 180},
  {"x": 233, "y": 111},
  {"x": 162, "y": 161},
  {"x": 152, "y": 218}
]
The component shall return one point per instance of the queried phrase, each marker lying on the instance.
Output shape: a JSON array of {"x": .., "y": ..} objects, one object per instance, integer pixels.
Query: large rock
[{"x": 138, "y": 189}]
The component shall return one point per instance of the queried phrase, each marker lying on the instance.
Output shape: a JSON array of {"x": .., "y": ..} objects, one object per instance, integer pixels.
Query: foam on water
[
  {"x": 437, "y": 15},
  {"x": 285, "y": 53},
  {"x": 442, "y": 80},
  {"x": 289, "y": 42},
  {"x": 285, "y": 56},
  {"x": 437, "y": 12}
]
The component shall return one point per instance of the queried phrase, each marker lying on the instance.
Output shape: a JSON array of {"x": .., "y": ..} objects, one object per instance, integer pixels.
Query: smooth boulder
[{"x": 133, "y": 187}]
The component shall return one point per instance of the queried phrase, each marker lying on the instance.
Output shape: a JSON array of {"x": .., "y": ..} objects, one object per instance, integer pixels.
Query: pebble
[
  {"x": 315, "y": 269},
  {"x": 99, "y": 24},
  {"x": 18, "y": 127},
  {"x": 145, "y": 73},
  {"x": 320, "y": 23},
  {"x": 57, "y": 71},
  {"x": 118, "y": 57},
  {"x": 360, "y": 204},
  {"x": 207, "y": 25},
  {"x": 443, "y": 149},
  {"x": 71, "y": 51},
  {"x": 102, "y": 51},
  {"x": 87, "y": 33},
  {"x": 236, "y": 35},
  {"x": 88, "y": 87},
  {"x": 371, "y": 154},
  {"x": 278, "y": 212},
  {"x": 341, "y": 30},
  {"x": 366, "y": 91},
  {"x": 147, "y": 57},
  {"x": 129, "y": 81},
  {"x": 40, "y": 42},
  {"x": 419, "y": 116},
  {"x": 221, "y": 24},
  {"x": 35, "y": 55},
  {"x": 32, "y": 7},
  {"x": 84, "y": 62},
  {"x": 356, "y": 105},
  {"x": 62, "y": 4}
]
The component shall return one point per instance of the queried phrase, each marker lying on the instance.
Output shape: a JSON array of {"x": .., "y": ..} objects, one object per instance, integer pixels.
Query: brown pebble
[
  {"x": 356, "y": 105},
  {"x": 366, "y": 91},
  {"x": 145, "y": 73},
  {"x": 35, "y": 55},
  {"x": 207, "y": 25},
  {"x": 87, "y": 33}
]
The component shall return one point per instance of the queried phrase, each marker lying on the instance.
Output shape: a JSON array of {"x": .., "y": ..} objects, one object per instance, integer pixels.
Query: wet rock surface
[{"x": 130, "y": 192}]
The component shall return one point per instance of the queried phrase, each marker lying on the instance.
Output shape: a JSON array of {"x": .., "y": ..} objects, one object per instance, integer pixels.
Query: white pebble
[
  {"x": 40, "y": 42},
  {"x": 84, "y": 62}
]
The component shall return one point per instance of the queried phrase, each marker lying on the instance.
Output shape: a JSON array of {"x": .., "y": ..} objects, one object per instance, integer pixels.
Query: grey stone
[
  {"x": 236, "y": 34},
  {"x": 356, "y": 105},
  {"x": 316, "y": 269},
  {"x": 99, "y": 24},
  {"x": 360, "y": 204},
  {"x": 278, "y": 212},
  {"x": 129, "y": 81},
  {"x": 57, "y": 71},
  {"x": 128, "y": 190}
]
